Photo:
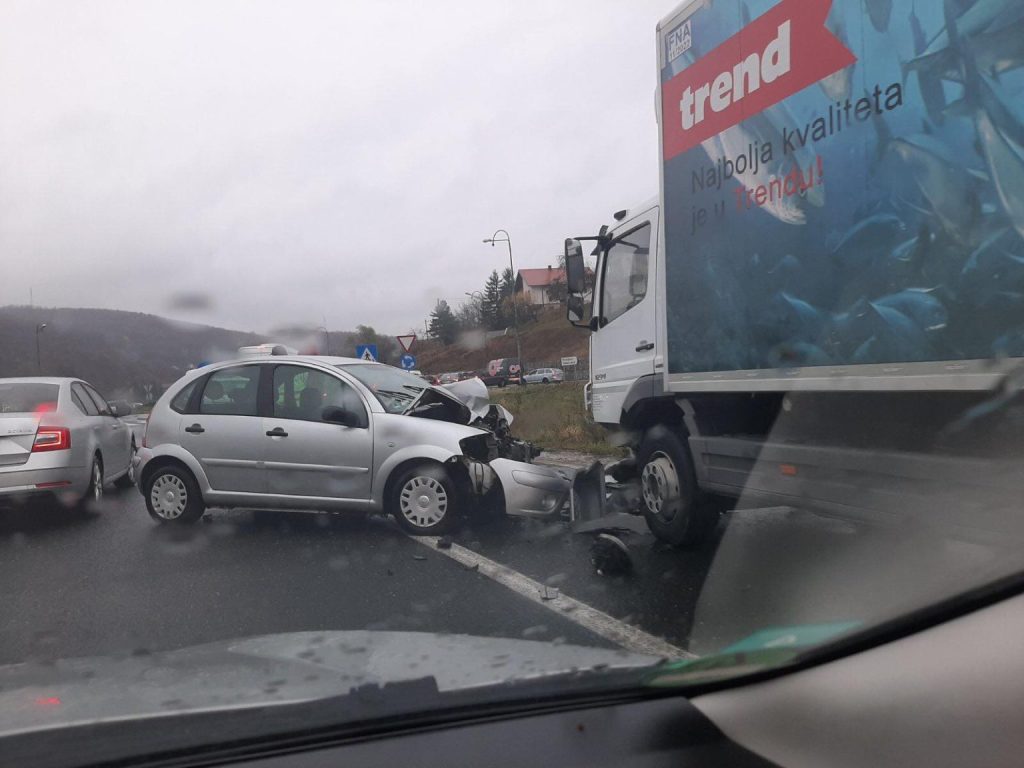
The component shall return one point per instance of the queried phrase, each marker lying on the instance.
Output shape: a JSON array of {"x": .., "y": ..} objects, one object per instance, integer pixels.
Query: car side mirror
[
  {"x": 334, "y": 414},
  {"x": 120, "y": 410}
]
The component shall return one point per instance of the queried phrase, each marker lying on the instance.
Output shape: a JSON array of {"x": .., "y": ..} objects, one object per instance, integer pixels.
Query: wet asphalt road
[{"x": 114, "y": 582}]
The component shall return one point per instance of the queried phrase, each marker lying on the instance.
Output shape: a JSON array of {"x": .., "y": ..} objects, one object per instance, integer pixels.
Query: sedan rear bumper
[{"x": 15, "y": 484}]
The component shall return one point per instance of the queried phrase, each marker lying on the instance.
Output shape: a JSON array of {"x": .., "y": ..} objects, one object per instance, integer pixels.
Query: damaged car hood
[
  {"x": 468, "y": 403},
  {"x": 473, "y": 394}
]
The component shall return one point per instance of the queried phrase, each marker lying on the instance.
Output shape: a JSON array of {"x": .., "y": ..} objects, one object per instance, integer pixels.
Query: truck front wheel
[{"x": 676, "y": 511}]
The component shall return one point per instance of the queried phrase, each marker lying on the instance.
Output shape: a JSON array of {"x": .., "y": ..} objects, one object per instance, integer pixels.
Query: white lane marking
[{"x": 598, "y": 622}]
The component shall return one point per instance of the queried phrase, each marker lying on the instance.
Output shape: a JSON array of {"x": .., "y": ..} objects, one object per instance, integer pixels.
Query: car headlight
[{"x": 479, "y": 447}]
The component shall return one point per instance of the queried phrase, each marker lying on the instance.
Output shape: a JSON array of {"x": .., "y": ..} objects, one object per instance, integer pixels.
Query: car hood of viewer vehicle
[{"x": 274, "y": 670}]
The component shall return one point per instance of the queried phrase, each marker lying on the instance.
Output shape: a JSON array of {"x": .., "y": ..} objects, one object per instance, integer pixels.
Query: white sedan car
[
  {"x": 60, "y": 437},
  {"x": 544, "y": 376}
]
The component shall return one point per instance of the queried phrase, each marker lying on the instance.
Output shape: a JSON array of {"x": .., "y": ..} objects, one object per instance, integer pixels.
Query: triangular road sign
[
  {"x": 368, "y": 355},
  {"x": 406, "y": 341}
]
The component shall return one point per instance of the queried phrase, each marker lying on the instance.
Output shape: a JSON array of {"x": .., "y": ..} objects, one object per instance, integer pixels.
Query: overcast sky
[{"x": 296, "y": 160}]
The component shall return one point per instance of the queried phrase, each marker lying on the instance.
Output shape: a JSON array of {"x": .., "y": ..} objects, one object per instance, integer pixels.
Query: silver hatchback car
[
  {"x": 60, "y": 437},
  {"x": 329, "y": 433}
]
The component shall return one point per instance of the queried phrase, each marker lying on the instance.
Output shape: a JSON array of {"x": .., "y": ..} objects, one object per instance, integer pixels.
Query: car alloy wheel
[{"x": 96, "y": 485}]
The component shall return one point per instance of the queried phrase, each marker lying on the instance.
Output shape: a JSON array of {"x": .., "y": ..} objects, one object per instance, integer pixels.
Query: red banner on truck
[{"x": 775, "y": 56}]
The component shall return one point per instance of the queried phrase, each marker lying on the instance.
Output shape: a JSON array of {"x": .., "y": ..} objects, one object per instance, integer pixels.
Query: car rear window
[
  {"x": 28, "y": 397},
  {"x": 231, "y": 392},
  {"x": 180, "y": 401}
]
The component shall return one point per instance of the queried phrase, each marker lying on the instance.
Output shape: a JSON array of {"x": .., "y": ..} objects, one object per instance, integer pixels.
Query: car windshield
[
  {"x": 396, "y": 390},
  {"x": 381, "y": 359},
  {"x": 28, "y": 397}
]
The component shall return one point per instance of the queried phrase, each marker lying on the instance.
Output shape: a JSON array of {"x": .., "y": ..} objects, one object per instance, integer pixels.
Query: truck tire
[{"x": 676, "y": 511}]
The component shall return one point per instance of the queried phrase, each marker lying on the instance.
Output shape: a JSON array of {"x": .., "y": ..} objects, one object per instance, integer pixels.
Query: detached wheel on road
[
  {"x": 676, "y": 511},
  {"x": 424, "y": 500},
  {"x": 173, "y": 496},
  {"x": 94, "y": 493}
]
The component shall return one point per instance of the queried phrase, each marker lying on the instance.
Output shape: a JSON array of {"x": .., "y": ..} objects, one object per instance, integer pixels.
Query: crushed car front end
[{"x": 459, "y": 427}]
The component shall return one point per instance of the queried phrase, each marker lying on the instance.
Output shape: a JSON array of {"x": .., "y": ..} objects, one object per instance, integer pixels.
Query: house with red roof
[{"x": 534, "y": 283}]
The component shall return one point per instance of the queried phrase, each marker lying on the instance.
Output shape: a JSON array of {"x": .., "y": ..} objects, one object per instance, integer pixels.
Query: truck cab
[{"x": 625, "y": 345}]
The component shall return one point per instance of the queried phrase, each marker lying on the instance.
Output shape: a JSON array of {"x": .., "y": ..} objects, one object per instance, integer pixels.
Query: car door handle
[
  {"x": 276, "y": 432},
  {"x": 645, "y": 346},
  {"x": 195, "y": 429}
]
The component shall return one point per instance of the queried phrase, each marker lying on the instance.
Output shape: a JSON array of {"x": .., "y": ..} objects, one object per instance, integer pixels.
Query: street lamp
[
  {"x": 478, "y": 297},
  {"x": 327, "y": 337},
  {"x": 39, "y": 360},
  {"x": 507, "y": 239}
]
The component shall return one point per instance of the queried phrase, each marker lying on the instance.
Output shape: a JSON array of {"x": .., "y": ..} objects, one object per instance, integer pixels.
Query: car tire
[
  {"x": 93, "y": 495},
  {"x": 544, "y": 381},
  {"x": 424, "y": 500},
  {"x": 173, "y": 496},
  {"x": 675, "y": 509},
  {"x": 127, "y": 480}
]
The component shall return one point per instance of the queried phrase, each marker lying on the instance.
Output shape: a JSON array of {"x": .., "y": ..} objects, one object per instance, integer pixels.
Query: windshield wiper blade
[{"x": 395, "y": 393}]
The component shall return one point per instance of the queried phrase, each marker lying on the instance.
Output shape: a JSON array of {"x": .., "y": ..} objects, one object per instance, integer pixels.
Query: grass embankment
[
  {"x": 545, "y": 341},
  {"x": 553, "y": 417}
]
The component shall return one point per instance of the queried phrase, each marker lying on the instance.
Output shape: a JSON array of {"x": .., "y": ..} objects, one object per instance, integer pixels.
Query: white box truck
[{"x": 824, "y": 306}]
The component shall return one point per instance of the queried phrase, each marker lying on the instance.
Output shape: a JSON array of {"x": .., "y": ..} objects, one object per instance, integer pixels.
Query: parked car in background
[
  {"x": 334, "y": 433},
  {"x": 60, "y": 437},
  {"x": 448, "y": 378},
  {"x": 544, "y": 376},
  {"x": 504, "y": 370},
  {"x": 122, "y": 405},
  {"x": 466, "y": 375}
]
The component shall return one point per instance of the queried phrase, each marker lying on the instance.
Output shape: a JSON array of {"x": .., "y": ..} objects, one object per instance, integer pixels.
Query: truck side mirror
[{"x": 574, "y": 269}]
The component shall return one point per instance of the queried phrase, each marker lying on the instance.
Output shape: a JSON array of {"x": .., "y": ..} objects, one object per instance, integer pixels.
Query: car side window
[
  {"x": 303, "y": 393},
  {"x": 79, "y": 398},
  {"x": 181, "y": 400},
  {"x": 231, "y": 392},
  {"x": 101, "y": 403},
  {"x": 625, "y": 273},
  {"x": 84, "y": 402}
]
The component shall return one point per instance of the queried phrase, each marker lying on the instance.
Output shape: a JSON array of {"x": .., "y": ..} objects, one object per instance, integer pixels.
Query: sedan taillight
[{"x": 51, "y": 439}]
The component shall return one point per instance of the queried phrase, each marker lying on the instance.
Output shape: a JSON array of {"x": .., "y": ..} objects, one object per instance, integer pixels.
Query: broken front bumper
[{"x": 530, "y": 490}]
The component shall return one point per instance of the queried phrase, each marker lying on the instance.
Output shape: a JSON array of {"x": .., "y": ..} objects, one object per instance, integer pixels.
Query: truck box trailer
[{"x": 824, "y": 305}]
